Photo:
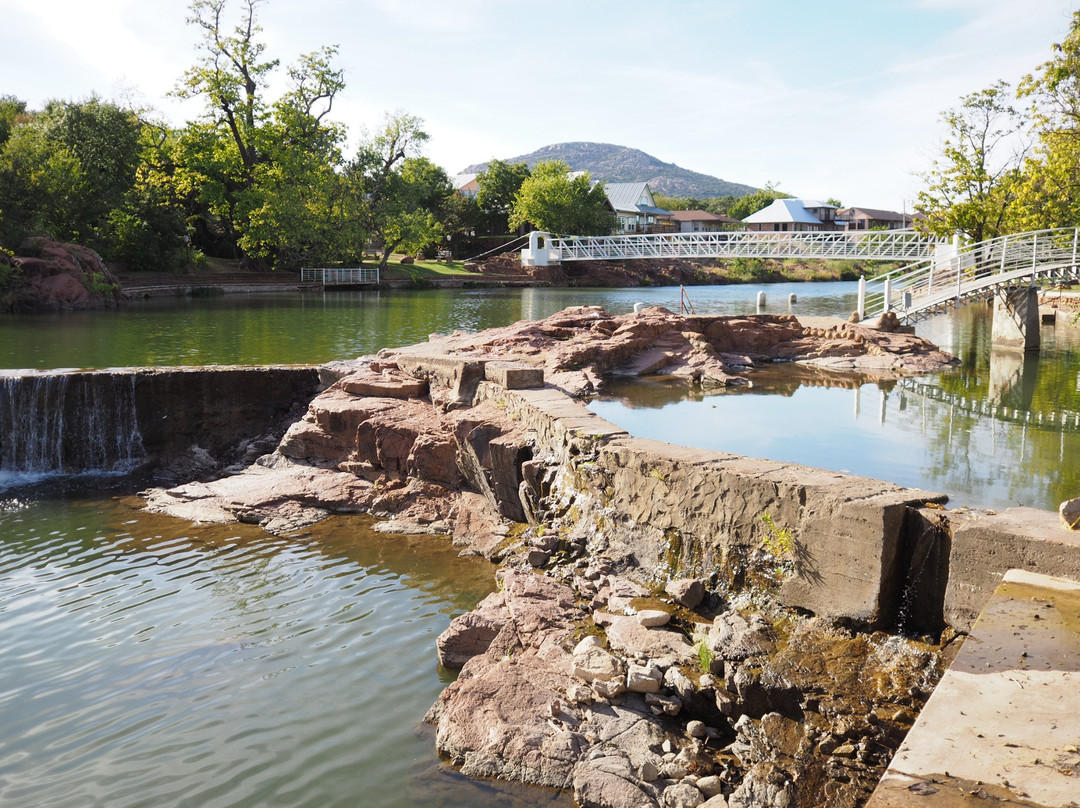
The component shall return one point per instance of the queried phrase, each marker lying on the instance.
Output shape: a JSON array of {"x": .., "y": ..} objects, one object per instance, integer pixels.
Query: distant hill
[{"x": 605, "y": 161}]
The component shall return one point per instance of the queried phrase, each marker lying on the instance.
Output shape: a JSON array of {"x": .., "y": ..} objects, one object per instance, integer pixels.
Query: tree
[
  {"x": 402, "y": 196},
  {"x": 550, "y": 199},
  {"x": 1049, "y": 193},
  {"x": 751, "y": 203},
  {"x": 11, "y": 110},
  {"x": 971, "y": 186},
  {"x": 264, "y": 173},
  {"x": 65, "y": 170},
  {"x": 498, "y": 185}
]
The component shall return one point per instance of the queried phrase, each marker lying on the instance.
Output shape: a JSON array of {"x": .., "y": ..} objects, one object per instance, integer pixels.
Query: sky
[{"x": 821, "y": 100}]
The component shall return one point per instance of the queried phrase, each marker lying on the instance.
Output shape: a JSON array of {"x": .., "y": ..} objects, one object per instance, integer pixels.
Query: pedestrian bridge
[
  {"x": 874, "y": 245},
  {"x": 955, "y": 275}
]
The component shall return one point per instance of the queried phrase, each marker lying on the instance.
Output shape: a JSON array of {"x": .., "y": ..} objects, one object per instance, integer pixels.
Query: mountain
[{"x": 610, "y": 163}]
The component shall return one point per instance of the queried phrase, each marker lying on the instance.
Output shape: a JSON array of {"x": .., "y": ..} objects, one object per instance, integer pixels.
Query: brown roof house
[{"x": 873, "y": 219}]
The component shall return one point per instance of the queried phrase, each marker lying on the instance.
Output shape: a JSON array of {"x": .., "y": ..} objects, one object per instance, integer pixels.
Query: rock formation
[
  {"x": 581, "y": 676},
  {"x": 46, "y": 274}
]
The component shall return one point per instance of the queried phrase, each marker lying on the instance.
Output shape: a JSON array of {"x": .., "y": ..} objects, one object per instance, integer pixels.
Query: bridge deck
[{"x": 957, "y": 276}]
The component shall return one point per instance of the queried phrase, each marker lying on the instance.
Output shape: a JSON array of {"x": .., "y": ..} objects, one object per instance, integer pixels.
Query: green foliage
[
  {"x": 752, "y": 203},
  {"x": 1049, "y": 192},
  {"x": 11, "y": 110},
  {"x": 402, "y": 197},
  {"x": 779, "y": 542},
  {"x": 65, "y": 169},
  {"x": 498, "y": 185},
  {"x": 263, "y": 176},
  {"x": 551, "y": 200},
  {"x": 971, "y": 186},
  {"x": 704, "y": 656},
  {"x": 775, "y": 558},
  {"x": 11, "y": 278},
  {"x": 98, "y": 285}
]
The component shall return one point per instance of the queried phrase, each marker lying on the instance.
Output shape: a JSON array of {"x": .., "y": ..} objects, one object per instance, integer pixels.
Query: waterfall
[{"x": 68, "y": 423}]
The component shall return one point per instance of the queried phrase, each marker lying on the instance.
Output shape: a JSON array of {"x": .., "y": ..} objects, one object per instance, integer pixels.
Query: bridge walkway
[{"x": 956, "y": 276}]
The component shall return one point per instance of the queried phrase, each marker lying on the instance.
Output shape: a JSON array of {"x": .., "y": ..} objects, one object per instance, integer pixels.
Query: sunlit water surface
[{"x": 148, "y": 662}]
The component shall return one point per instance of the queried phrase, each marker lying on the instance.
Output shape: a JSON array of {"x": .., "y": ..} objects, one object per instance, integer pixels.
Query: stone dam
[{"x": 673, "y": 626}]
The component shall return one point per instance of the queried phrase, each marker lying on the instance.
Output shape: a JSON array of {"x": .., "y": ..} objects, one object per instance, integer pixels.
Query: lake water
[{"x": 149, "y": 662}]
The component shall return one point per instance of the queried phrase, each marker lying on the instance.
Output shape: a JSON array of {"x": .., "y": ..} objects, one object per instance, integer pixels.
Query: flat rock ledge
[{"x": 609, "y": 664}]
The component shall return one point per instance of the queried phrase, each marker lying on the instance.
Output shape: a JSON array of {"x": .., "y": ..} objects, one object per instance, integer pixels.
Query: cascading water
[{"x": 68, "y": 423}]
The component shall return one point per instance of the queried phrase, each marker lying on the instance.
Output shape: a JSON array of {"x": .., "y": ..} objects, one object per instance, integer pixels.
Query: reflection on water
[
  {"x": 148, "y": 662},
  {"x": 319, "y": 327},
  {"x": 1002, "y": 430}
]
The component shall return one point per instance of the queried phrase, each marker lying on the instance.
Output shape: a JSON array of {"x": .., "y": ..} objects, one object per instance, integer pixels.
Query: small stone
[
  {"x": 593, "y": 664},
  {"x": 678, "y": 681},
  {"x": 1069, "y": 511},
  {"x": 688, "y": 592},
  {"x": 648, "y": 771},
  {"x": 710, "y": 786},
  {"x": 696, "y": 729},
  {"x": 682, "y": 795},
  {"x": 845, "y": 750},
  {"x": 667, "y": 746},
  {"x": 667, "y": 705},
  {"x": 580, "y": 694},
  {"x": 644, "y": 678},
  {"x": 675, "y": 771},
  {"x": 538, "y": 558},
  {"x": 652, "y": 618},
  {"x": 609, "y": 688}
]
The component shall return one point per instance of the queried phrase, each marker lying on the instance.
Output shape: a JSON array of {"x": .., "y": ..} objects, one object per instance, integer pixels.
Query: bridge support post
[
  {"x": 537, "y": 254},
  {"x": 1016, "y": 319},
  {"x": 861, "y": 308}
]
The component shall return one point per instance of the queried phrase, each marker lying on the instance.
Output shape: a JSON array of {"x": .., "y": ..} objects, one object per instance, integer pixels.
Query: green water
[
  {"x": 317, "y": 327},
  {"x": 148, "y": 662}
]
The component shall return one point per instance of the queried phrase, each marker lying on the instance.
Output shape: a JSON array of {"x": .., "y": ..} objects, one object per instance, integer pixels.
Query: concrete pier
[
  {"x": 1002, "y": 725},
  {"x": 1016, "y": 319}
]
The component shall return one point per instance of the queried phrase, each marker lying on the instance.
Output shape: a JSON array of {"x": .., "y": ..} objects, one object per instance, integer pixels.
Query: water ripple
[{"x": 145, "y": 669}]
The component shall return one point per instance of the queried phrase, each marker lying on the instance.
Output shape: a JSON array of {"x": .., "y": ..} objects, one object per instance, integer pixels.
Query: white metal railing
[
  {"x": 894, "y": 245},
  {"x": 339, "y": 276},
  {"x": 957, "y": 274}
]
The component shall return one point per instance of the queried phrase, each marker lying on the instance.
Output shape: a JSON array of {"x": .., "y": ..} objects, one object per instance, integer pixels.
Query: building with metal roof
[
  {"x": 801, "y": 215},
  {"x": 636, "y": 209}
]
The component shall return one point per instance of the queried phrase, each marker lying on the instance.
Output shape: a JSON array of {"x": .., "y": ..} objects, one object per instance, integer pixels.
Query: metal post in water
[
  {"x": 888, "y": 296},
  {"x": 760, "y": 301},
  {"x": 862, "y": 299}
]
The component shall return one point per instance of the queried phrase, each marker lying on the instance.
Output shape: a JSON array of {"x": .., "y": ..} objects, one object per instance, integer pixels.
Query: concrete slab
[{"x": 1002, "y": 725}]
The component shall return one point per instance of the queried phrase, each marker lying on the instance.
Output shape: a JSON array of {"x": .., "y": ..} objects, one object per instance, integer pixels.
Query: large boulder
[{"x": 54, "y": 275}]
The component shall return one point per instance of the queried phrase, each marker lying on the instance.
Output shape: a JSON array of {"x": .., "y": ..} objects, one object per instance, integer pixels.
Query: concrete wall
[
  {"x": 214, "y": 407},
  {"x": 865, "y": 549}
]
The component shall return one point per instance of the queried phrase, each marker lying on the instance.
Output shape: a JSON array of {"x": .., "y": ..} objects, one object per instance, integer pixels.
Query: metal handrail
[
  {"x": 331, "y": 276},
  {"x": 882, "y": 245},
  {"x": 945, "y": 280}
]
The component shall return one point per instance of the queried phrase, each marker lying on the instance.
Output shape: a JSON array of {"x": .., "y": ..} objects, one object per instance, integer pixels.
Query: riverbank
[{"x": 44, "y": 275}]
